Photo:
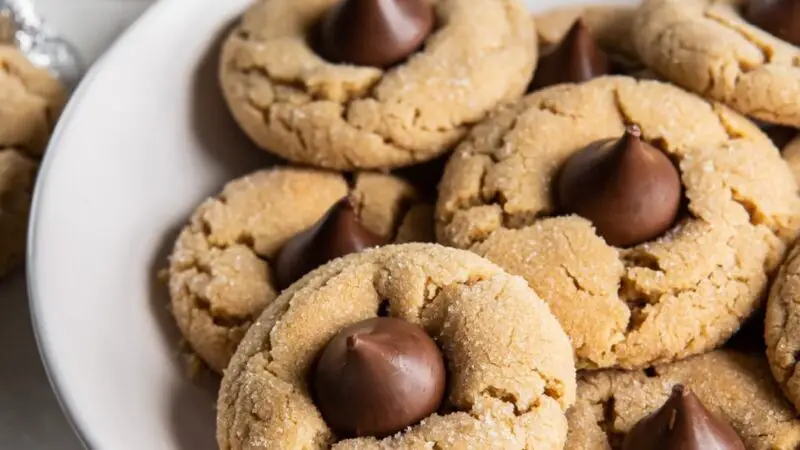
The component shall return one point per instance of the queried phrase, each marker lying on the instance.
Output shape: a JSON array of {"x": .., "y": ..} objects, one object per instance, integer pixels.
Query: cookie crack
[
  {"x": 367, "y": 92},
  {"x": 627, "y": 119},
  {"x": 766, "y": 50},
  {"x": 637, "y": 300},
  {"x": 606, "y": 421}
]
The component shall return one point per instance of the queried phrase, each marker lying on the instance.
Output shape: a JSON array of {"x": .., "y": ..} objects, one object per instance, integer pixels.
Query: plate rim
[{"x": 67, "y": 404}]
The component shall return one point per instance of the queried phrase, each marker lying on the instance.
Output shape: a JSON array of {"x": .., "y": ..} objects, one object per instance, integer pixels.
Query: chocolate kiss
[
  {"x": 627, "y": 188},
  {"x": 338, "y": 233},
  {"x": 377, "y": 33},
  {"x": 683, "y": 423},
  {"x": 378, "y": 377},
  {"x": 780, "y": 18},
  {"x": 576, "y": 59}
]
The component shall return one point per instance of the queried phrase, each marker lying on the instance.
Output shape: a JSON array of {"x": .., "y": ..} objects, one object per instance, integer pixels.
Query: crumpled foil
[{"x": 22, "y": 26}]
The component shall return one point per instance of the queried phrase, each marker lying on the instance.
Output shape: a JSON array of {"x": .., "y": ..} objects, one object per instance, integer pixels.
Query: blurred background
[{"x": 30, "y": 418}]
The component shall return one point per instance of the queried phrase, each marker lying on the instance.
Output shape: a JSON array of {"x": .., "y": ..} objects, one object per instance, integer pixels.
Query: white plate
[{"x": 145, "y": 138}]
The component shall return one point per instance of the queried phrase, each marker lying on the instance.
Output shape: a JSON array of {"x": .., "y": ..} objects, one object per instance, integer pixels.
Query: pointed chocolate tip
[
  {"x": 633, "y": 130},
  {"x": 353, "y": 342},
  {"x": 338, "y": 233},
  {"x": 683, "y": 422},
  {"x": 578, "y": 38},
  {"x": 376, "y": 33},
  {"x": 577, "y": 58},
  {"x": 628, "y": 189}
]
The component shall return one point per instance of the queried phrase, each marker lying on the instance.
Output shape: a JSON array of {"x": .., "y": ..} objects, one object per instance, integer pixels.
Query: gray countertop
[{"x": 30, "y": 418}]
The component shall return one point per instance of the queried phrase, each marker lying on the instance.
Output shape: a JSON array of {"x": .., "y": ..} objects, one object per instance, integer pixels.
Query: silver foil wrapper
[{"x": 22, "y": 26}]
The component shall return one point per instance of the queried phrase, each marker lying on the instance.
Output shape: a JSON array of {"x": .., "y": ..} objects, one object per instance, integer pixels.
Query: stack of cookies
[
  {"x": 490, "y": 231},
  {"x": 31, "y": 100}
]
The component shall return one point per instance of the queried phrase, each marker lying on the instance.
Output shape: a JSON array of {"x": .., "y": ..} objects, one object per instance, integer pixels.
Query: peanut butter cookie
[
  {"x": 725, "y": 50},
  {"x": 354, "y": 106},
  {"x": 649, "y": 248},
  {"x": 510, "y": 374},
  {"x": 732, "y": 402},
  {"x": 265, "y": 230}
]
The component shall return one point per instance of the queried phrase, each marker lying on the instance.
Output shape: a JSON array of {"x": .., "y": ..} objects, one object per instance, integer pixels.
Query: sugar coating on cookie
[
  {"x": 684, "y": 293},
  {"x": 736, "y": 387},
  {"x": 294, "y": 103},
  {"x": 17, "y": 175},
  {"x": 511, "y": 374},
  {"x": 220, "y": 270},
  {"x": 708, "y": 47},
  {"x": 782, "y": 327}
]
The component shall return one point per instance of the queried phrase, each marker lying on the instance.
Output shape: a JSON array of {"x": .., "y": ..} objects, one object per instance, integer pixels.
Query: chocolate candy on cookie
[
  {"x": 377, "y": 377},
  {"x": 721, "y": 400},
  {"x": 575, "y": 59},
  {"x": 627, "y": 188},
  {"x": 373, "y": 84},
  {"x": 378, "y": 33},
  {"x": 355, "y": 355},
  {"x": 265, "y": 230},
  {"x": 683, "y": 423},
  {"x": 633, "y": 284},
  {"x": 600, "y": 36},
  {"x": 339, "y": 232}
]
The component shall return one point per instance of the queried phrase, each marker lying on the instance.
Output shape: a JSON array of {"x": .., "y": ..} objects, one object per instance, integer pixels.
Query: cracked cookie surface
[
  {"x": 707, "y": 47},
  {"x": 682, "y": 294},
  {"x": 511, "y": 374},
  {"x": 782, "y": 327},
  {"x": 17, "y": 175},
  {"x": 292, "y": 102},
  {"x": 736, "y": 387},
  {"x": 220, "y": 275}
]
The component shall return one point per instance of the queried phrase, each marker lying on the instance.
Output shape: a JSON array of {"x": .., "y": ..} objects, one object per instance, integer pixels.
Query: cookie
[
  {"x": 17, "y": 175},
  {"x": 510, "y": 369},
  {"x": 681, "y": 293},
  {"x": 708, "y": 47},
  {"x": 32, "y": 102},
  {"x": 735, "y": 388},
  {"x": 222, "y": 268},
  {"x": 782, "y": 324},
  {"x": 295, "y": 103}
]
